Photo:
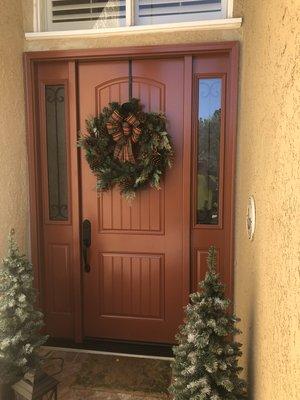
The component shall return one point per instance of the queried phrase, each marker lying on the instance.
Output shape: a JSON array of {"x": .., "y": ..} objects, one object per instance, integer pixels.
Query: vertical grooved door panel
[
  {"x": 134, "y": 290},
  {"x": 131, "y": 285}
]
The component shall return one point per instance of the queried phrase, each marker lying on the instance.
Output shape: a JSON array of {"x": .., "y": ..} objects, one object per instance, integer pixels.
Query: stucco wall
[
  {"x": 268, "y": 166},
  {"x": 267, "y": 269},
  {"x": 13, "y": 160}
]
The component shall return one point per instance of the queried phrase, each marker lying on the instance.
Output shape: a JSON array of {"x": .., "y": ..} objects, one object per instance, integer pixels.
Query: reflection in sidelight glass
[
  {"x": 208, "y": 157},
  {"x": 56, "y": 152}
]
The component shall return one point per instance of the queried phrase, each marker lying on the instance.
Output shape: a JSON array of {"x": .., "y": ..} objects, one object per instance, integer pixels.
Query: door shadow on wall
[{"x": 251, "y": 354}]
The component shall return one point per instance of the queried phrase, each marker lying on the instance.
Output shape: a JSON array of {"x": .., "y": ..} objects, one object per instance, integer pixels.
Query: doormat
[{"x": 124, "y": 374}]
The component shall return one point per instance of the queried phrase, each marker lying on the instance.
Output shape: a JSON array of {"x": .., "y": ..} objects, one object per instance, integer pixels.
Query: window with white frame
[{"x": 64, "y": 15}]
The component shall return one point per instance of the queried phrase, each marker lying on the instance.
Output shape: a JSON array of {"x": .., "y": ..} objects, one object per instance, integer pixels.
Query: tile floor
[{"x": 93, "y": 377}]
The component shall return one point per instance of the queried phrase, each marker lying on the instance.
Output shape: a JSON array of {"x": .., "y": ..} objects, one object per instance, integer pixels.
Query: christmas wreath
[{"x": 128, "y": 147}]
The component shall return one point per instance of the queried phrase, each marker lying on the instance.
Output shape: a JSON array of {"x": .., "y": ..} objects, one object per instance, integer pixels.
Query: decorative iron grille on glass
[
  {"x": 56, "y": 152},
  {"x": 87, "y": 14}
]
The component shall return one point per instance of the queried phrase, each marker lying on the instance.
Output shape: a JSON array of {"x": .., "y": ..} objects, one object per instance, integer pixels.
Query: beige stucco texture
[
  {"x": 13, "y": 160},
  {"x": 267, "y": 269},
  {"x": 268, "y": 167}
]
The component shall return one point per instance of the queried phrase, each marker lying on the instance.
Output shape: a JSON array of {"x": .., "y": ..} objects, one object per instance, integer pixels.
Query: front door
[
  {"x": 134, "y": 289},
  {"x": 145, "y": 255}
]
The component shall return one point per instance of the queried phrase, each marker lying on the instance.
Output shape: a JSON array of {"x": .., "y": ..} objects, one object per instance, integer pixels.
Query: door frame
[{"x": 186, "y": 51}]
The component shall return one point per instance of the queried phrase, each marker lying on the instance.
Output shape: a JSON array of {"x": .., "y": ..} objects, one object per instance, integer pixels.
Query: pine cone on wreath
[
  {"x": 95, "y": 163},
  {"x": 155, "y": 159}
]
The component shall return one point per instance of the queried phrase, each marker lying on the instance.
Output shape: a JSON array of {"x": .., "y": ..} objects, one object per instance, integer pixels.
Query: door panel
[
  {"x": 131, "y": 285},
  {"x": 134, "y": 290},
  {"x": 213, "y": 166},
  {"x": 144, "y": 215},
  {"x": 58, "y": 194}
]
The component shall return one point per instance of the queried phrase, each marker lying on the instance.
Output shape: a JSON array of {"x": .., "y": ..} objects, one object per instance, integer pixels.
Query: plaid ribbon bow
[{"x": 124, "y": 131}]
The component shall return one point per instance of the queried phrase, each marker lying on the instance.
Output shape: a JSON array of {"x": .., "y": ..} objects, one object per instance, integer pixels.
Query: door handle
[{"x": 86, "y": 243}]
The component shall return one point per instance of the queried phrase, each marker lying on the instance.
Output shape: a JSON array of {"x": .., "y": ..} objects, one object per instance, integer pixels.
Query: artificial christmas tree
[
  {"x": 20, "y": 322},
  {"x": 206, "y": 358}
]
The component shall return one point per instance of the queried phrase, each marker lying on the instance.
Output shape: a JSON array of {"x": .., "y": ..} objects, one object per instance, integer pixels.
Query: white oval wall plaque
[{"x": 250, "y": 221}]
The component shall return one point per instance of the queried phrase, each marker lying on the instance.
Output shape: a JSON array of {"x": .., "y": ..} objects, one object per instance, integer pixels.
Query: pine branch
[{"x": 212, "y": 259}]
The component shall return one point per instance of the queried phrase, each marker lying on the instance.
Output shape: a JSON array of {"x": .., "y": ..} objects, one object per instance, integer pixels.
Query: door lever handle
[{"x": 86, "y": 243}]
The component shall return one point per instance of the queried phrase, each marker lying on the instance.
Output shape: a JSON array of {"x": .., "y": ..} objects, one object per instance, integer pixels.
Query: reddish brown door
[
  {"x": 146, "y": 256},
  {"x": 135, "y": 290}
]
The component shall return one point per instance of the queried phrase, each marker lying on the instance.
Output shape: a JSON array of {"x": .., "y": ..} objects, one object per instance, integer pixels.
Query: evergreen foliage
[
  {"x": 20, "y": 323},
  {"x": 206, "y": 358},
  {"x": 153, "y": 151}
]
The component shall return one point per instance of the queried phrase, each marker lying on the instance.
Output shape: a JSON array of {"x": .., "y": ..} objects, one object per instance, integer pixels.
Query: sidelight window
[
  {"x": 56, "y": 152},
  {"x": 100, "y": 14},
  {"x": 208, "y": 151}
]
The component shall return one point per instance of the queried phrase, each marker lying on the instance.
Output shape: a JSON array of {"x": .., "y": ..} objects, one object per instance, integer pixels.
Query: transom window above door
[{"x": 63, "y": 15}]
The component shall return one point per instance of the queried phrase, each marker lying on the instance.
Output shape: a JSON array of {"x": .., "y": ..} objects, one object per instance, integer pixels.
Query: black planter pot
[{"x": 6, "y": 392}]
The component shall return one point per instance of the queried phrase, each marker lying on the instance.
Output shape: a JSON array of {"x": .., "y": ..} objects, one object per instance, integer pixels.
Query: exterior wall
[
  {"x": 266, "y": 275},
  {"x": 13, "y": 160},
  {"x": 268, "y": 166}
]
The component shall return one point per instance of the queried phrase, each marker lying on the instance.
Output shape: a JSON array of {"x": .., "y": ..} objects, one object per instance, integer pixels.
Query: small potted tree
[
  {"x": 20, "y": 322},
  {"x": 206, "y": 358}
]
